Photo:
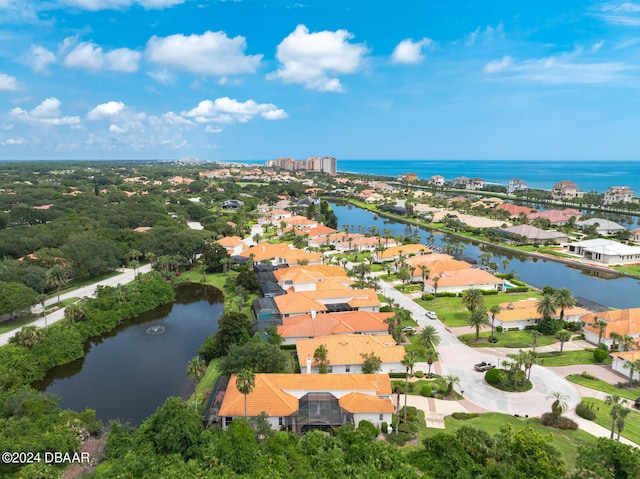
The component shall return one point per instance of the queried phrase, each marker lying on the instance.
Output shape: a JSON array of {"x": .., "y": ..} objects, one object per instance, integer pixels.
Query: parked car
[
  {"x": 637, "y": 404},
  {"x": 408, "y": 329},
  {"x": 431, "y": 315},
  {"x": 483, "y": 366}
]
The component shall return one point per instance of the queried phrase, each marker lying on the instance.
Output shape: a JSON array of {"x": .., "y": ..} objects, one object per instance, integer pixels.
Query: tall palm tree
[
  {"x": 495, "y": 309},
  {"x": 563, "y": 336},
  {"x": 633, "y": 367},
  {"x": 435, "y": 287},
  {"x": 505, "y": 263},
  {"x": 563, "y": 299},
  {"x": 245, "y": 382},
  {"x": 627, "y": 342},
  {"x": 534, "y": 338},
  {"x": 623, "y": 412},
  {"x": 478, "y": 320},
  {"x": 41, "y": 298},
  {"x": 409, "y": 361},
  {"x": 602, "y": 327},
  {"x": 560, "y": 404},
  {"x": 546, "y": 306},
  {"x": 473, "y": 299},
  {"x": 430, "y": 355},
  {"x": 429, "y": 337},
  {"x": 196, "y": 368},
  {"x": 57, "y": 277},
  {"x": 615, "y": 337},
  {"x": 530, "y": 358},
  {"x": 616, "y": 404}
]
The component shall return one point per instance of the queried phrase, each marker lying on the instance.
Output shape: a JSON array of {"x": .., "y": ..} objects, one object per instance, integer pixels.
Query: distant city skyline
[{"x": 248, "y": 80}]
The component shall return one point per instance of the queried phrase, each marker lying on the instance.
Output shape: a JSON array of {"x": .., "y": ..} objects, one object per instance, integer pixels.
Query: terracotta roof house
[
  {"x": 366, "y": 243},
  {"x": 344, "y": 352},
  {"x": 603, "y": 227},
  {"x": 620, "y": 359},
  {"x": 515, "y": 210},
  {"x": 555, "y": 217},
  {"x": 308, "y": 277},
  {"x": 460, "y": 280},
  {"x": 625, "y": 322},
  {"x": 301, "y": 402},
  {"x": 618, "y": 194},
  {"x": 534, "y": 234},
  {"x": 280, "y": 253},
  {"x": 333, "y": 239},
  {"x": 327, "y": 301},
  {"x": 233, "y": 244},
  {"x": 523, "y": 314},
  {"x": 435, "y": 264},
  {"x": 352, "y": 322},
  {"x": 635, "y": 235},
  {"x": 565, "y": 190},
  {"x": 405, "y": 250},
  {"x": 605, "y": 251},
  {"x": 316, "y": 232}
]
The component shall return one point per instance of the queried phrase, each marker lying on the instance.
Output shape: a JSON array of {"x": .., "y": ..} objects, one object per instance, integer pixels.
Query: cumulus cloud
[
  {"x": 39, "y": 58},
  {"x": 227, "y": 110},
  {"x": 212, "y": 129},
  {"x": 95, "y": 5},
  {"x": 121, "y": 118},
  {"x": 409, "y": 52},
  {"x": 105, "y": 110},
  {"x": 212, "y": 53},
  {"x": 47, "y": 112},
  {"x": 8, "y": 82},
  {"x": 90, "y": 56},
  {"x": 173, "y": 119},
  {"x": 497, "y": 66},
  {"x": 315, "y": 59},
  {"x": 625, "y": 13}
]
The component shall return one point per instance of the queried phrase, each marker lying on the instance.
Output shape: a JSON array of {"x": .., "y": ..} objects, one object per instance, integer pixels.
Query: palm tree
[
  {"x": 627, "y": 342},
  {"x": 29, "y": 336},
  {"x": 546, "y": 306},
  {"x": 57, "y": 277},
  {"x": 429, "y": 337},
  {"x": 505, "y": 263},
  {"x": 563, "y": 299},
  {"x": 76, "y": 312},
  {"x": 563, "y": 336},
  {"x": 226, "y": 262},
  {"x": 196, "y": 368},
  {"x": 633, "y": 367},
  {"x": 435, "y": 287},
  {"x": 409, "y": 361},
  {"x": 615, "y": 402},
  {"x": 495, "y": 309},
  {"x": 602, "y": 327},
  {"x": 245, "y": 382},
  {"x": 473, "y": 299},
  {"x": 451, "y": 380},
  {"x": 615, "y": 337},
  {"x": 478, "y": 320},
  {"x": 560, "y": 404},
  {"x": 41, "y": 298},
  {"x": 430, "y": 355},
  {"x": 530, "y": 358},
  {"x": 623, "y": 412},
  {"x": 534, "y": 338}
]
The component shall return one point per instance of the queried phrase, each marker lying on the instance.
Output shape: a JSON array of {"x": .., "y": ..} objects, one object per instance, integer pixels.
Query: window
[
  {"x": 381, "y": 417},
  {"x": 281, "y": 421},
  {"x": 330, "y": 370},
  {"x": 347, "y": 368}
]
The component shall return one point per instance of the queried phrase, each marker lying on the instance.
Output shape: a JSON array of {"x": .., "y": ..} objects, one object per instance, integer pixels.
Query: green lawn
[
  {"x": 453, "y": 314},
  {"x": 631, "y": 425},
  {"x": 415, "y": 387},
  {"x": 77, "y": 283},
  {"x": 12, "y": 324},
  {"x": 600, "y": 385},
  {"x": 64, "y": 302},
  {"x": 634, "y": 269},
  {"x": 409, "y": 288},
  {"x": 209, "y": 379},
  {"x": 569, "y": 358},
  {"x": 511, "y": 339}
]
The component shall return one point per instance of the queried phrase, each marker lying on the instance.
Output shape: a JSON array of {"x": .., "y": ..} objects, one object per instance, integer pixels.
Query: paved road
[{"x": 126, "y": 276}]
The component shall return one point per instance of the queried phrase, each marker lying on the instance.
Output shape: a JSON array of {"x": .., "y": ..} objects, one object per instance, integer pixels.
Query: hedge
[{"x": 522, "y": 289}]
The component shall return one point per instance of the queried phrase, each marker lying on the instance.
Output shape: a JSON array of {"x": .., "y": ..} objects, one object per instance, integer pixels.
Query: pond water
[
  {"x": 129, "y": 372},
  {"x": 615, "y": 291}
]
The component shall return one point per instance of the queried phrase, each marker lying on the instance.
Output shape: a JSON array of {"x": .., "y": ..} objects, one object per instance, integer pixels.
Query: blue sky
[{"x": 242, "y": 80}]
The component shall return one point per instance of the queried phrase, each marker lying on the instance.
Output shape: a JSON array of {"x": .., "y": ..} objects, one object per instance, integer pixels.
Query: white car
[{"x": 431, "y": 315}]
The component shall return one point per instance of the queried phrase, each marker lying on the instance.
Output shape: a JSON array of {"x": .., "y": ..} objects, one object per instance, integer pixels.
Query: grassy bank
[
  {"x": 569, "y": 358},
  {"x": 512, "y": 339},
  {"x": 600, "y": 385}
]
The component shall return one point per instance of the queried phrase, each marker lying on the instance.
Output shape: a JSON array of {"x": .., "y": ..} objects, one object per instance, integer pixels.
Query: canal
[
  {"x": 129, "y": 372},
  {"x": 615, "y": 292}
]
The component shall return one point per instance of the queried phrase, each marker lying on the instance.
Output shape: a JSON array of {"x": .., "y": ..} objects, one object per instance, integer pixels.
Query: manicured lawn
[
  {"x": 63, "y": 303},
  {"x": 209, "y": 379},
  {"x": 635, "y": 269},
  {"x": 631, "y": 424},
  {"x": 415, "y": 387},
  {"x": 415, "y": 345},
  {"x": 567, "y": 442},
  {"x": 409, "y": 288},
  {"x": 453, "y": 314},
  {"x": 569, "y": 358},
  {"x": 376, "y": 267},
  {"x": 213, "y": 279},
  {"x": 600, "y": 385},
  {"x": 511, "y": 339},
  {"x": 12, "y": 324}
]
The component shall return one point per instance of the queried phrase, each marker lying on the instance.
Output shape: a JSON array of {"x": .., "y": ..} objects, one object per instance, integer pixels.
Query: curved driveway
[{"x": 458, "y": 359}]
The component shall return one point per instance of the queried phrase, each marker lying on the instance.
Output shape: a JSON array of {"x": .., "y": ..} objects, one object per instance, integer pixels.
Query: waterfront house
[
  {"x": 624, "y": 322},
  {"x": 516, "y": 184},
  {"x": 340, "y": 298},
  {"x": 302, "y": 402},
  {"x": 515, "y": 210},
  {"x": 618, "y": 194},
  {"x": 436, "y": 180},
  {"x": 345, "y": 352},
  {"x": 524, "y": 314},
  {"x": 310, "y": 277},
  {"x": 457, "y": 281},
  {"x": 605, "y": 251},
  {"x": 621, "y": 358},
  {"x": 531, "y": 234},
  {"x": 401, "y": 251},
  {"x": 556, "y": 217},
  {"x": 603, "y": 227},
  {"x": 565, "y": 190},
  {"x": 279, "y": 254},
  {"x": 352, "y": 322}
]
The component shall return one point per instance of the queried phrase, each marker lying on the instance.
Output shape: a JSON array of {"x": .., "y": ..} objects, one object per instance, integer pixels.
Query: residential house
[
  {"x": 515, "y": 210},
  {"x": 603, "y": 227},
  {"x": 516, "y": 184},
  {"x": 524, "y": 314},
  {"x": 345, "y": 352},
  {"x": 531, "y": 234},
  {"x": 436, "y": 180},
  {"x": 401, "y": 251},
  {"x": 433, "y": 265},
  {"x": 605, "y": 251},
  {"x": 302, "y": 402},
  {"x": 460, "y": 280},
  {"x": 341, "y": 298},
  {"x": 556, "y": 217},
  {"x": 232, "y": 204},
  {"x": 624, "y": 322},
  {"x": 353, "y": 322},
  {"x": 281, "y": 253},
  {"x": 233, "y": 244},
  {"x": 621, "y": 358},
  {"x": 635, "y": 235},
  {"x": 565, "y": 190},
  {"x": 618, "y": 194},
  {"x": 308, "y": 277},
  {"x": 365, "y": 243}
]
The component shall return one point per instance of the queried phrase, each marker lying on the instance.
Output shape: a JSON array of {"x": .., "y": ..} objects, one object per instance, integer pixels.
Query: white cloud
[
  {"x": 626, "y": 7},
  {"x": 227, "y": 110},
  {"x": 597, "y": 46},
  {"x": 487, "y": 34},
  {"x": 116, "y": 129},
  {"x": 13, "y": 142},
  {"x": 90, "y": 56},
  {"x": 105, "y": 110},
  {"x": 212, "y": 129},
  {"x": 173, "y": 119},
  {"x": 95, "y": 5},
  {"x": 8, "y": 82},
  {"x": 162, "y": 76},
  {"x": 497, "y": 66},
  {"x": 315, "y": 59},
  {"x": 409, "y": 52},
  {"x": 212, "y": 53},
  {"x": 39, "y": 58},
  {"x": 625, "y": 13},
  {"x": 47, "y": 112}
]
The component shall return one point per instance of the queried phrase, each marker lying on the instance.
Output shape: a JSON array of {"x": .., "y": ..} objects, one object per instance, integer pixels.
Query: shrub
[
  {"x": 397, "y": 375},
  {"x": 385, "y": 427},
  {"x": 558, "y": 422},
  {"x": 599, "y": 355},
  {"x": 419, "y": 374},
  {"x": 499, "y": 329},
  {"x": 399, "y": 439},
  {"x": 426, "y": 391},
  {"x": 493, "y": 376},
  {"x": 427, "y": 297},
  {"x": 550, "y": 326},
  {"x": 519, "y": 289},
  {"x": 489, "y": 292},
  {"x": 447, "y": 294},
  {"x": 586, "y": 375},
  {"x": 585, "y": 410},
  {"x": 463, "y": 416},
  {"x": 368, "y": 428},
  {"x": 603, "y": 346},
  {"x": 493, "y": 339}
]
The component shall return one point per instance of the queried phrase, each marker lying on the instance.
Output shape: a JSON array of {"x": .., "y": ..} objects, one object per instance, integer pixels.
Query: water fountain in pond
[{"x": 156, "y": 330}]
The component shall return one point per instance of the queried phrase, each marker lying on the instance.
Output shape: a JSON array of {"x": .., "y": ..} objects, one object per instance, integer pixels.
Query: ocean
[{"x": 588, "y": 175}]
